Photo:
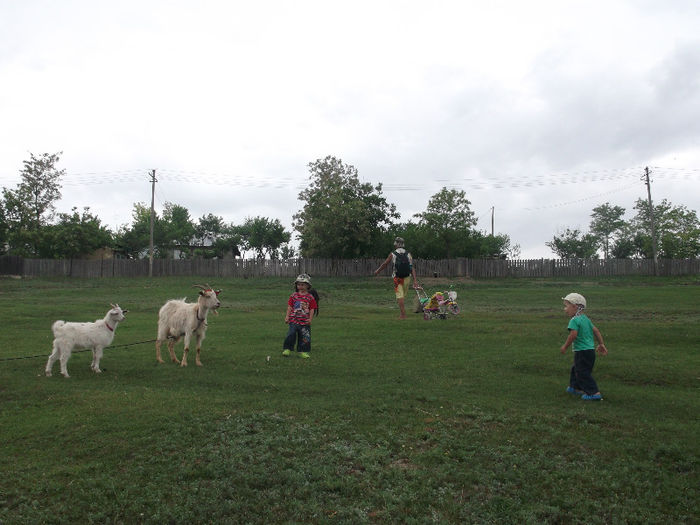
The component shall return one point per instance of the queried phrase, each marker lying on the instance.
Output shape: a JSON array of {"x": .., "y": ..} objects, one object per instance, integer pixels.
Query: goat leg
[
  {"x": 171, "y": 349},
  {"x": 96, "y": 356},
  {"x": 158, "y": 357}
]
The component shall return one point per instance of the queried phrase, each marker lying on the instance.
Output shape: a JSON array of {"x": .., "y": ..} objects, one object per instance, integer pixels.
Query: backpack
[
  {"x": 402, "y": 266},
  {"x": 314, "y": 293}
]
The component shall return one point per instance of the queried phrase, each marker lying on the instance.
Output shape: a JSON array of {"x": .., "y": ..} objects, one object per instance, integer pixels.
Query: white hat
[{"x": 575, "y": 298}]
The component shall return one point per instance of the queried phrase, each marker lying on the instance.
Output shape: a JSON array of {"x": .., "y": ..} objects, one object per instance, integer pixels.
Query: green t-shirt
[{"x": 585, "y": 339}]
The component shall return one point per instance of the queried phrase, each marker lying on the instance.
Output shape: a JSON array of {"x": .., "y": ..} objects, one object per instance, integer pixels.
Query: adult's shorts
[{"x": 401, "y": 285}]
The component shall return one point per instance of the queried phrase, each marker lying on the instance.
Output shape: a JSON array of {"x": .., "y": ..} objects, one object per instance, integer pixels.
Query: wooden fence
[{"x": 246, "y": 268}]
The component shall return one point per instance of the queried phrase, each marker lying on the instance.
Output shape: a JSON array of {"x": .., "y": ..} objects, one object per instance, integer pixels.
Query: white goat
[
  {"x": 95, "y": 336},
  {"x": 178, "y": 318}
]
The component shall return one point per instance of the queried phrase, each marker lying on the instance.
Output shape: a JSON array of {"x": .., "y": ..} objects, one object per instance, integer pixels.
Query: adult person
[{"x": 402, "y": 270}]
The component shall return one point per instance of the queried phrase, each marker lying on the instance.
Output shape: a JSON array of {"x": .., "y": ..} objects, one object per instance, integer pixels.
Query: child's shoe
[
  {"x": 573, "y": 391},
  {"x": 592, "y": 397},
  {"x": 304, "y": 355},
  {"x": 286, "y": 352}
]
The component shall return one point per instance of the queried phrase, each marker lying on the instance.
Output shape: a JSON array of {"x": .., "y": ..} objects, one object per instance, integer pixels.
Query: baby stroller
[{"x": 438, "y": 305}]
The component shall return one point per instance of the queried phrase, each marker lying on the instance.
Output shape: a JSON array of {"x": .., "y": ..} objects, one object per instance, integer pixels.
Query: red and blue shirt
[{"x": 302, "y": 306}]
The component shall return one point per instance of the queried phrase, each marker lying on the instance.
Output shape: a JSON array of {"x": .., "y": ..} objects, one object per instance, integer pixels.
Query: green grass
[{"x": 457, "y": 421}]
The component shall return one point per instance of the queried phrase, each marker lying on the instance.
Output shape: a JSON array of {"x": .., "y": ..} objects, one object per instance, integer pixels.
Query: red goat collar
[{"x": 110, "y": 328}]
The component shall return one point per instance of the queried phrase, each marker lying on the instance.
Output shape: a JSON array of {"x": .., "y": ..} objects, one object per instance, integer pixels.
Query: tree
[
  {"x": 449, "y": 218},
  {"x": 572, "y": 244},
  {"x": 178, "y": 229},
  {"x": 677, "y": 230},
  {"x": 624, "y": 245},
  {"x": 31, "y": 206},
  {"x": 341, "y": 217},
  {"x": 74, "y": 235},
  {"x": 264, "y": 236},
  {"x": 134, "y": 241},
  {"x": 216, "y": 239},
  {"x": 606, "y": 221},
  {"x": 498, "y": 245}
]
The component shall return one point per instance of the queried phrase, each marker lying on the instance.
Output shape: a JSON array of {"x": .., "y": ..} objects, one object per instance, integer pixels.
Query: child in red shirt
[{"x": 300, "y": 310}]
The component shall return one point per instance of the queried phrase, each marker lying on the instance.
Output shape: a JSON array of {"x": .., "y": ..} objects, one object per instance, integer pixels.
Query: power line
[
  {"x": 524, "y": 180},
  {"x": 583, "y": 199}
]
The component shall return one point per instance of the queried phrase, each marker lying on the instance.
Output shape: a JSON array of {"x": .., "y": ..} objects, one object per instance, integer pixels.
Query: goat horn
[{"x": 199, "y": 286}]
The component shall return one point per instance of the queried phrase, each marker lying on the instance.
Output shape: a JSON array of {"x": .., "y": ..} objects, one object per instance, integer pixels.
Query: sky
[{"x": 539, "y": 111}]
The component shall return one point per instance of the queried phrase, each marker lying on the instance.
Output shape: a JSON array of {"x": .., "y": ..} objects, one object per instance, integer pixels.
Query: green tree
[
  {"x": 677, "y": 230},
  {"x": 178, "y": 228},
  {"x": 606, "y": 221},
  {"x": 287, "y": 251},
  {"x": 449, "y": 218},
  {"x": 75, "y": 235},
  {"x": 573, "y": 244},
  {"x": 215, "y": 238},
  {"x": 264, "y": 236},
  {"x": 134, "y": 241},
  {"x": 31, "y": 206},
  {"x": 624, "y": 245},
  {"x": 498, "y": 245},
  {"x": 341, "y": 217}
]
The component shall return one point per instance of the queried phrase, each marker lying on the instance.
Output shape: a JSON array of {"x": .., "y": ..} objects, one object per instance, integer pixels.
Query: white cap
[{"x": 575, "y": 298}]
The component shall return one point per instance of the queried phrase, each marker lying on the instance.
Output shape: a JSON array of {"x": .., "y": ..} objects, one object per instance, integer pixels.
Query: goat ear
[
  {"x": 201, "y": 292},
  {"x": 217, "y": 292}
]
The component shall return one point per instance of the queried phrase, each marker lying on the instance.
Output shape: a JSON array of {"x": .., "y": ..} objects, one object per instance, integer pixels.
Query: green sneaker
[
  {"x": 286, "y": 352},
  {"x": 304, "y": 355}
]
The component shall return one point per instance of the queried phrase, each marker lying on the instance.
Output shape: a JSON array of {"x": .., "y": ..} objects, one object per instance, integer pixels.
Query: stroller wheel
[
  {"x": 454, "y": 309},
  {"x": 426, "y": 316}
]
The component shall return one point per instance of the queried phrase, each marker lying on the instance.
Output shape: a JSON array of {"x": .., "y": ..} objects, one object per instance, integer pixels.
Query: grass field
[{"x": 463, "y": 420}]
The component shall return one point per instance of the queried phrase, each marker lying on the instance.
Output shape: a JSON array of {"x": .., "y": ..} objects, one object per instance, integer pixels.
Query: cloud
[{"x": 539, "y": 110}]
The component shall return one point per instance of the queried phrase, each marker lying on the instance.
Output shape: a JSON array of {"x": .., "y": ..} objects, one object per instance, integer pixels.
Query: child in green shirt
[{"x": 583, "y": 336}]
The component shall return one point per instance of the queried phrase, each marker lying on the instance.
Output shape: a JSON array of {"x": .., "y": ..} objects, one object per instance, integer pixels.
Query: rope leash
[{"x": 76, "y": 351}]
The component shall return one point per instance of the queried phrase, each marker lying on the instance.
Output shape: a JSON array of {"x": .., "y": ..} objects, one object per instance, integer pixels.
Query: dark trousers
[
  {"x": 299, "y": 334},
  {"x": 581, "y": 373}
]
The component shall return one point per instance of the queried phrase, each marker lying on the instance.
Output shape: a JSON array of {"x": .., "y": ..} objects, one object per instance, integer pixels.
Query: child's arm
[
  {"x": 573, "y": 334},
  {"x": 289, "y": 312},
  {"x": 312, "y": 312},
  {"x": 601, "y": 349}
]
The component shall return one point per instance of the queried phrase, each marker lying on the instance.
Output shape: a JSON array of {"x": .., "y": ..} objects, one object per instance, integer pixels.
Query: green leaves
[{"x": 342, "y": 217}]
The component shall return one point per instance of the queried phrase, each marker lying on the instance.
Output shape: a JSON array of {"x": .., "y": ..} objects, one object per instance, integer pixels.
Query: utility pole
[
  {"x": 153, "y": 214},
  {"x": 493, "y": 210},
  {"x": 651, "y": 220}
]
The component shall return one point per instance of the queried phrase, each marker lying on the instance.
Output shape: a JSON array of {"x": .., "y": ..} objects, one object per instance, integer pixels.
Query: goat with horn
[{"x": 178, "y": 318}]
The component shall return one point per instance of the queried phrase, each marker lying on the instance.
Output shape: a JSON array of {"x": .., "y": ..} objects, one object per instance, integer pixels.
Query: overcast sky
[{"x": 538, "y": 110}]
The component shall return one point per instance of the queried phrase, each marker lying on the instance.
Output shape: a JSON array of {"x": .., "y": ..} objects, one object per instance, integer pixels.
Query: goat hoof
[
  {"x": 160, "y": 360},
  {"x": 48, "y": 373}
]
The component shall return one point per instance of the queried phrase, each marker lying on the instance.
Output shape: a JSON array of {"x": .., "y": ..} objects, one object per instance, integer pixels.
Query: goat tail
[{"x": 57, "y": 326}]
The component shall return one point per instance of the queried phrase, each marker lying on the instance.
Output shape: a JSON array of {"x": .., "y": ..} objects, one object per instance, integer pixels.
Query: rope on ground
[{"x": 76, "y": 351}]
